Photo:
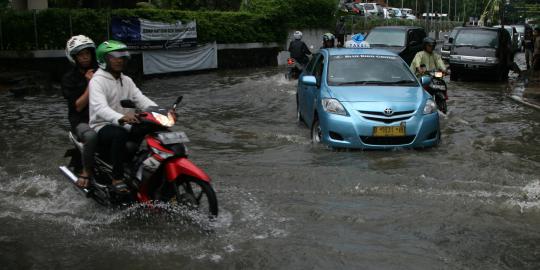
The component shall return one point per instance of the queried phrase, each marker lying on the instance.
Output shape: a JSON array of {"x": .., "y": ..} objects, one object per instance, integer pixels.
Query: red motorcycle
[{"x": 158, "y": 171}]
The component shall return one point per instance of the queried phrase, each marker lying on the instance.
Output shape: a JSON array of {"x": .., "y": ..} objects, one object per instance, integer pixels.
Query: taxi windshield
[{"x": 369, "y": 70}]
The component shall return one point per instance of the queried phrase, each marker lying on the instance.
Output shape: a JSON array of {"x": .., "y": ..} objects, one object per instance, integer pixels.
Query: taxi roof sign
[{"x": 357, "y": 45}]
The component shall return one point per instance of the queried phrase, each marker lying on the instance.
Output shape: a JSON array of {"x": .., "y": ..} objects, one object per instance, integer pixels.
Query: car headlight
[
  {"x": 331, "y": 105},
  {"x": 492, "y": 60},
  {"x": 430, "y": 107}
]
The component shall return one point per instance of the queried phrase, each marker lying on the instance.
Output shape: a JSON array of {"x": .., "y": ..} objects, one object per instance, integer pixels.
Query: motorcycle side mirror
[
  {"x": 425, "y": 80},
  {"x": 178, "y": 100},
  {"x": 127, "y": 103}
]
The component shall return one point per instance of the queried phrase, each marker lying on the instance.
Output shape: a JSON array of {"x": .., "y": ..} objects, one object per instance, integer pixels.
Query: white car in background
[{"x": 409, "y": 15}]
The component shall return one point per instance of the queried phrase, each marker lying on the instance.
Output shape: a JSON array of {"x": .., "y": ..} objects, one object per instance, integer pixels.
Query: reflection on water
[{"x": 471, "y": 203}]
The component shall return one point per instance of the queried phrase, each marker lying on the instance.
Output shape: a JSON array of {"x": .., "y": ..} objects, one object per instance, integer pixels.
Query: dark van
[
  {"x": 480, "y": 50},
  {"x": 405, "y": 41}
]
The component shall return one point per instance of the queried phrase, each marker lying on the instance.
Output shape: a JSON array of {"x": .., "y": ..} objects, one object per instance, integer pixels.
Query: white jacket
[{"x": 106, "y": 92}]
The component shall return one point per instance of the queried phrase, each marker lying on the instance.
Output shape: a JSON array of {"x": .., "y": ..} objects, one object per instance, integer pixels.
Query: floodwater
[{"x": 471, "y": 203}]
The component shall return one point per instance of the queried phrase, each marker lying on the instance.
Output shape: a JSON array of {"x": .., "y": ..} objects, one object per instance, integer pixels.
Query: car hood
[
  {"x": 377, "y": 94},
  {"x": 394, "y": 49},
  {"x": 472, "y": 51}
]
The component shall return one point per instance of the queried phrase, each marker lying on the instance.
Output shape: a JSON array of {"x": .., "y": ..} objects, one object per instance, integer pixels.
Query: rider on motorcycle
[
  {"x": 81, "y": 52},
  {"x": 110, "y": 120},
  {"x": 427, "y": 60},
  {"x": 299, "y": 50},
  {"x": 329, "y": 41}
]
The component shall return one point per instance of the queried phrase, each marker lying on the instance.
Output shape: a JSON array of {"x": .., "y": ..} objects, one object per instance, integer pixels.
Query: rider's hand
[
  {"x": 89, "y": 74},
  {"x": 129, "y": 118}
]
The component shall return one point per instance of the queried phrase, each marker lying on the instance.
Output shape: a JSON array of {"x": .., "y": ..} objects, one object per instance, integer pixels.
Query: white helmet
[
  {"x": 297, "y": 35},
  {"x": 76, "y": 44}
]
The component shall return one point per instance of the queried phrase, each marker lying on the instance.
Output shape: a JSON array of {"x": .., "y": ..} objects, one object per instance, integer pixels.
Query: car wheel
[{"x": 316, "y": 132}]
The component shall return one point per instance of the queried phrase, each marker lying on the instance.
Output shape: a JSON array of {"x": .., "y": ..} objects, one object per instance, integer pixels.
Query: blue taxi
[{"x": 365, "y": 98}]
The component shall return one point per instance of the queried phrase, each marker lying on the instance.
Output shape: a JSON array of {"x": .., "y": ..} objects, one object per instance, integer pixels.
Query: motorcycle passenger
[
  {"x": 299, "y": 50},
  {"x": 111, "y": 121},
  {"x": 427, "y": 60},
  {"x": 81, "y": 52},
  {"x": 329, "y": 41},
  {"x": 528, "y": 44}
]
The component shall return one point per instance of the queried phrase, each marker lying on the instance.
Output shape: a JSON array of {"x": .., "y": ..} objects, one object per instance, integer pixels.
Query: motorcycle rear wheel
[{"x": 196, "y": 194}]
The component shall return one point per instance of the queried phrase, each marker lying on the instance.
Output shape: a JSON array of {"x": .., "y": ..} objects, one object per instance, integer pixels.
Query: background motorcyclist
[
  {"x": 298, "y": 49},
  {"x": 81, "y": 52},
  {"x": 329, "y": 41},
  {"x": 427, "y": 60},
  {"x": 111, "y": 121}
]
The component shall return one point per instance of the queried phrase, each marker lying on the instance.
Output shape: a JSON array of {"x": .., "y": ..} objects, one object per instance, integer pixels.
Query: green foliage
[
  {"x": 53, "y": 26},
  {"x": 297, "y": 13}
]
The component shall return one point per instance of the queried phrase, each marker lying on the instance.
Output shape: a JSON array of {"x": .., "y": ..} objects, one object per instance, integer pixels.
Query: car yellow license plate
[{"x": 389, "y": 131}]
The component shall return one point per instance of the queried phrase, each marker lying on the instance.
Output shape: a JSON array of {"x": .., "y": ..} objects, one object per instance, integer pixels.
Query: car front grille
[
  {"x": 381, "y": 117},
  {"x": 387, "y": 140}
]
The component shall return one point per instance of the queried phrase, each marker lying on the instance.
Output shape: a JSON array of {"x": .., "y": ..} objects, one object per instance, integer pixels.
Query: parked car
[
  {"x": 514, "y": 36},
  {"x": 480, "y": 50},
  {"x": 405, "y": 41},
  {"x": 373, "y": 8},
  {"x": 446, "y": 46},
  {"x": 367, "y": 99},
  {"x": 521, "y": 30},
  {"x": 409, "y": 15}
]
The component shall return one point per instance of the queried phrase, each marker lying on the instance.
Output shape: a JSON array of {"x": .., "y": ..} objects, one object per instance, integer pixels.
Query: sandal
[
  {"x": 81, "y": 178},
  {"x": 120, "y": 187}
]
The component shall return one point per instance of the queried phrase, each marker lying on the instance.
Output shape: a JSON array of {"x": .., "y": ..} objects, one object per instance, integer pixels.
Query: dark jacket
[
  {"x": 73, "y": 86},
  {"x": 340, "y": 28},
  {"x": 299, "y": 51}
]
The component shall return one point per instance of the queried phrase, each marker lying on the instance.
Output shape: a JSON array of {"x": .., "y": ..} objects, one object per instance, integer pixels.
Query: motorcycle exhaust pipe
[{"x": 71, "y": 176}]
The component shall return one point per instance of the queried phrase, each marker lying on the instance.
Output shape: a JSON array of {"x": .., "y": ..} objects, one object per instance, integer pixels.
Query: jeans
[
  {"x": 90, "y": 139},
  {"x": 528, "y": 57},
  {"x": 112, "y": 141}
]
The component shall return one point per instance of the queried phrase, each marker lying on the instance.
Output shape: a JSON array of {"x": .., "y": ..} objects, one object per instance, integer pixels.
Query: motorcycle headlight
[
  {"x": 492, "y": 60},
  {"x": 430, "y": 107},
  {"x": 331, "y": 105},
  {"x": 167, "y": 121}
]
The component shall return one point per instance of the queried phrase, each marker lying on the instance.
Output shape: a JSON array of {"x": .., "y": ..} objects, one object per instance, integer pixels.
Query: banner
[
  {"x": 144, "y": 34},
  {"x": 166, "y": 61}
]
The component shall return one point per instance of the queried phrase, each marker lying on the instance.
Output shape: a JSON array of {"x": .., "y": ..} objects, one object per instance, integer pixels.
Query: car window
[
  {"x": 418, "y": 35},
  {"x": 318, "y": 69},
  {"x": 389, "y": 37},
  {"x": 476, "y": 38},
  {"x": 311, "y": 64},
  {"x": 382, "y": 70}
]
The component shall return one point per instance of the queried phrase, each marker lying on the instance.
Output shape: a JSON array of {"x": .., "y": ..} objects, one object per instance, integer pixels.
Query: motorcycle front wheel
[
  {"x": 197, "y": 195},
  {"x": 441, "y": 102}
]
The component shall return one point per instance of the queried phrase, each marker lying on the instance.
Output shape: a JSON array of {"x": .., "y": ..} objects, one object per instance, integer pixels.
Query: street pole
[
  {"x": 455, "y": 9},
  {"x": 449, "y": 9}
]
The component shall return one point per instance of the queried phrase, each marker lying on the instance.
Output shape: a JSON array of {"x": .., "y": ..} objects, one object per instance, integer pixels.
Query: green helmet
[{"x": 108, "y": 47}]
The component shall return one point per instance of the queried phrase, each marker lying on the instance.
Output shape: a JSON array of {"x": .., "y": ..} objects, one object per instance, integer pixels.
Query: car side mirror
[
  {"x": 127, "y": 103},
  {"x": 309, "y": 80},
  {"x": 425, "y": 80},
  {"x": 450, "y": 40}
]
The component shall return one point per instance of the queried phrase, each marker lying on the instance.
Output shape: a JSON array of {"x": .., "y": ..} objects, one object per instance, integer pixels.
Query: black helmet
[{"x": 429, "y": 41}]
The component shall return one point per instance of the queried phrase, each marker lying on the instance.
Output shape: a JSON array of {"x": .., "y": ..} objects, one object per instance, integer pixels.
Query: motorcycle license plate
[
  {"x": 173, "y": 137},
  {"x": 398, "y": 131}
]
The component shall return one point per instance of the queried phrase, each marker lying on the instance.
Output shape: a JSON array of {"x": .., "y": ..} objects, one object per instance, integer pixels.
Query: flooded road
[{"x": 471, "y": 203}]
